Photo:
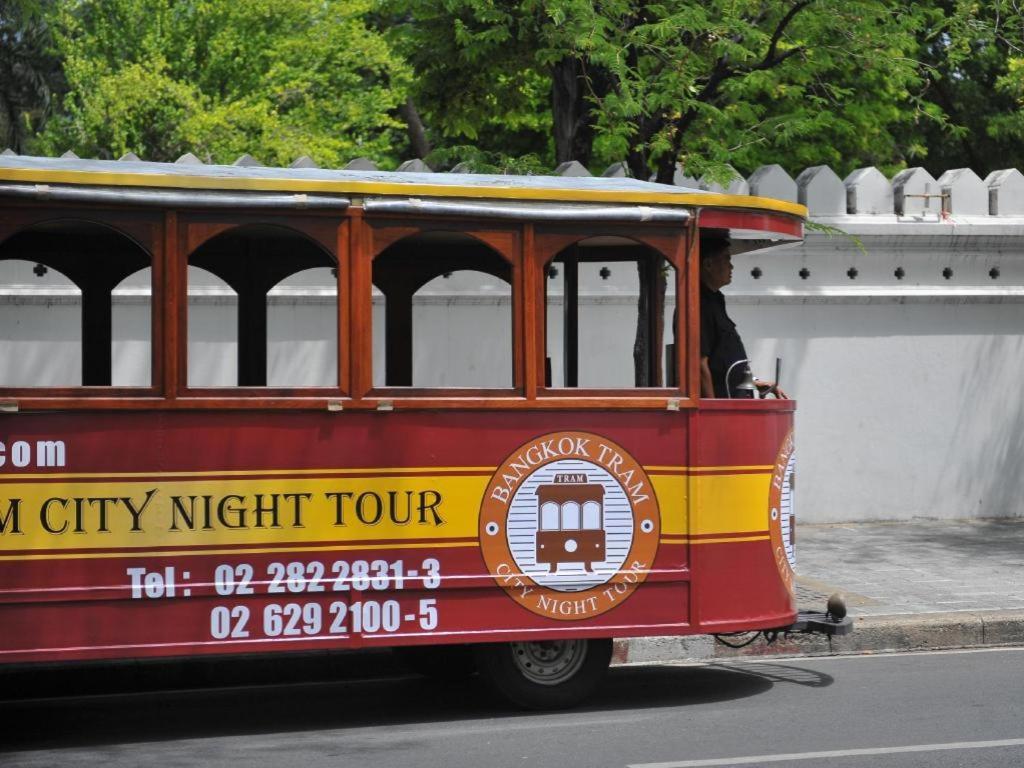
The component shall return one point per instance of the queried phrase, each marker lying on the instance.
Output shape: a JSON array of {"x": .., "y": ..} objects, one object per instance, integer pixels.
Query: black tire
[
  {"x": 546, "y": 674},
  {"x": 440, "y": 662}
]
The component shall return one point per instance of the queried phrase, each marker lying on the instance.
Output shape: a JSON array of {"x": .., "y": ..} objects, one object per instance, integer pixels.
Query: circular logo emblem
[
  {"x": 569, "y": 525},
  {"x": 782, "y": 519}
]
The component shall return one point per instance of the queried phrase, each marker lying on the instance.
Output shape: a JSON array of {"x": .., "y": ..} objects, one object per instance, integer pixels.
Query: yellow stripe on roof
[{"x": 401, "y": 189}]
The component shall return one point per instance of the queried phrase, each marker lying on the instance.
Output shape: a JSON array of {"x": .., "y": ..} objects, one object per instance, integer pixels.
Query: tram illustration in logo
[
  {"x": 571, "y": 522},
  {"x": 569, "y": 525}
]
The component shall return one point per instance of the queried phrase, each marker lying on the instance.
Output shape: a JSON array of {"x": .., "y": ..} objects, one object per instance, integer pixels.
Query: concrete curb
[{"x": 871, "y": 634}]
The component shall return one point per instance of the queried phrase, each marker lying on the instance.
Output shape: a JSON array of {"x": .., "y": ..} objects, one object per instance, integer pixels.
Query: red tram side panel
[{"x": 178, "y": 533}]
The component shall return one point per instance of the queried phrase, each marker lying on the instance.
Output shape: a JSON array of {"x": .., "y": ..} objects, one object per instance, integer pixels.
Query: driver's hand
[{"x": 767, "y": 387}]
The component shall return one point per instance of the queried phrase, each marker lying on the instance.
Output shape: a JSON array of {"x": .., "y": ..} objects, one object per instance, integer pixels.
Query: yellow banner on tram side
[
  {"x": 82, "y": 513},
  {"x": 78, "y": 514}
]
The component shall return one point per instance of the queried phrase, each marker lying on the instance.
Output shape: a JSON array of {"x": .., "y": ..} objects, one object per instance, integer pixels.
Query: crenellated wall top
[{"x": 912, "y": 195}]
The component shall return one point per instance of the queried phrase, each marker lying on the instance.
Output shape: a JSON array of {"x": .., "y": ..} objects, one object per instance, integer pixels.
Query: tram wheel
[
  {"x": 545, "y": 674},
  {"x": 440, "y": 662}
]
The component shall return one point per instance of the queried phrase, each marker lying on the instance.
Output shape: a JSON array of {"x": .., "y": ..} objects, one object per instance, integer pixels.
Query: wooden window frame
[
  {"x": 676, "y": 245},
  {"x": 145, "y": 229},
  {"x": 192, "y": 230},
  {"x": 382, "y": 231},
  {"x": 354, "y": 239}
]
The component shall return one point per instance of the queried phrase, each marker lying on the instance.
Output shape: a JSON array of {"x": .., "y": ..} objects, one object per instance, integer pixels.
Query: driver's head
[{"x": 715, "y": 262}]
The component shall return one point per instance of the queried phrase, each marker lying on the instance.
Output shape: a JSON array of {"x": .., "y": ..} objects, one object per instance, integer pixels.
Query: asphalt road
[{"x": 895, "y": 711}]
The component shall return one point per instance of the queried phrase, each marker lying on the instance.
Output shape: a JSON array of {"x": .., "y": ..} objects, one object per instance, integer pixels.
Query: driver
[{"x": 720, "y": 343}]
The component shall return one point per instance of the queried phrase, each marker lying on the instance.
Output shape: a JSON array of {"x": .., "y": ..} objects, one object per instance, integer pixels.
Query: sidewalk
[{"x": 908, "y": 586}]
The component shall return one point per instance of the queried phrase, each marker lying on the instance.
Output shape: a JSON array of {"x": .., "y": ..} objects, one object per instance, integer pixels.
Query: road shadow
[{"x": 107, "y": 718}]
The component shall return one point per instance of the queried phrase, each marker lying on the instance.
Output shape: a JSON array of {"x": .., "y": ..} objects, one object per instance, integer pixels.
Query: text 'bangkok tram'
[{"x": 304, "y": 409}]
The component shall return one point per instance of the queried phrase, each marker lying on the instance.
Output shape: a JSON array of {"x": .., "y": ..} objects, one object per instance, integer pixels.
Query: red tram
[{"x": 534, "y": 515}]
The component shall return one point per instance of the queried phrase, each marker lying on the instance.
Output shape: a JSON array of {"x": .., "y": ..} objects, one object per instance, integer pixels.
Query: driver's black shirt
[{"x": 720, "y": 343}]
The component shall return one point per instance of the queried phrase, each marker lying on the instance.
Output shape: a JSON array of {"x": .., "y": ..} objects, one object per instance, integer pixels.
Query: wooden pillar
[
  {"x": 252, "y": 336},
  {"x": 97, "y": 334},
  {"x": 530, "y": 287},
  {"x": 571, "y": 318},
  {"x": 398, "y": 337}
]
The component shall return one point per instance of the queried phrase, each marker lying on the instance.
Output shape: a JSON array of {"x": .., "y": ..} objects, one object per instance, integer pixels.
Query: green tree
[
  {"x": 725, "y": 81},
  {"x": 976, "y": 76},
  {"x": 30, "y": 73},
  {"x": 274, "y": 78},
  {"x": 477, "y": 79}
]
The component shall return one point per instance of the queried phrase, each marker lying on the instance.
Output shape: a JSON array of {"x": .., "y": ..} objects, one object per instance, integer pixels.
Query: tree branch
[
  {"x": 774, "y": 62},
  {"x": 779, "y": 31}
]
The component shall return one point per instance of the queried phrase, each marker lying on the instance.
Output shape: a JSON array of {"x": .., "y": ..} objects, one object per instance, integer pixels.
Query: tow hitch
[{"x": 833, "y": 621}]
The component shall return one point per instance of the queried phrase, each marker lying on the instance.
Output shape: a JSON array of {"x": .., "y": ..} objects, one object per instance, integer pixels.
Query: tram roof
[{"x": 128, "y": 176}]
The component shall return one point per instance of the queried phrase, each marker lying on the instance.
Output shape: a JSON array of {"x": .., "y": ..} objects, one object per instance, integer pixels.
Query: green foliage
[
  {"x": 476, "y": 79},
  {"x": 472, "y": 159},
  {"x": 713, "y": 85},
  {"x": 724, "y": 81},
  {"x": 30, "y": 74},
  {"x": 976, "y": 76},
  {"x": 275, "y": 78},
  {"x": 1010, "y": 125}
]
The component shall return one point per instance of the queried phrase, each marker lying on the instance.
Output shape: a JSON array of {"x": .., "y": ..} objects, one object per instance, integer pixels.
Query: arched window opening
[
  {"x": 40, "y": 327},
  {"x": 610, "y": 316},
  {"x": 131, "y": 319},
  {"x": 462, "y": 332},
  {"x": 302, "y": 330},
  {"x": 57, "y": 319},
  {"x": 446, "y": 314},
  {"x": 212, "y": 331},
  {"x": 278, "y": 286}
]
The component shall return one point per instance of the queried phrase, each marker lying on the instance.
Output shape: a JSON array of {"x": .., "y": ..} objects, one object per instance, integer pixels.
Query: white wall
[
  {"x": 904, "y": 410},
  {"x": 907, "y": 389},
  {"x": 462, "y": 332},
  {"x": 909, "y": 395},
  {"x": 40, "y": 327}
]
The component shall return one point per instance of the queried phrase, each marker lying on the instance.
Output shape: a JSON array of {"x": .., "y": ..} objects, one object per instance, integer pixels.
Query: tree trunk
[
  {"x": 642, "y": 341},
  {"x": 637, "y": 163},
  {"x": 650, "y": 324},
  {"x": 415, "y": 128},
  {"x": 572, "y": 117},
  {"x": 666, "y": 169},
  {"x": 8, "y": 126}
]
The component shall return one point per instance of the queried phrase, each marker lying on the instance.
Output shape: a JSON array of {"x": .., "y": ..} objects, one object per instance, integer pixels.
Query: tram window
[
  {"x": 458, "y": 325},
  {"x": 549, "y": 516},
  {"x": 302, "y": 330},
  {"x": 240, "y": 327},
  {"x": 447, "y": 314},
  {"x": 591, "y": 515},
  {"x": 212, "y": 331},
  {"x": 40, "y": 327},
  {"x": 59, "y": 323},
  {"x": 610, "y": 311},
  {"x": 570, "y": 516},
  {"x": 131, "y": 317}
]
